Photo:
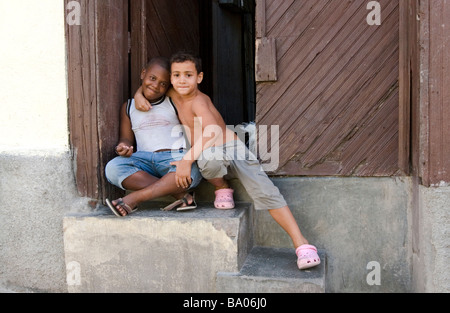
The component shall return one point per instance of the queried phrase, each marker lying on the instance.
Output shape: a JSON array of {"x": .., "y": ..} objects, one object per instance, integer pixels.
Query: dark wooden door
[
  {"x": 161, "y": 28},
  {"x": 230, "y": 71},
  {"x": 336, "y": 94},
  {"x": 105, "y": 56},
  {"x": 220, "y": 32},
  {"x": 226, "y": 69}
]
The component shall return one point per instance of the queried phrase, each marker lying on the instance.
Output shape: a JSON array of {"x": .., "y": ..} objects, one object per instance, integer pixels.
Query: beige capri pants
[{"x": 234, "y": 160}]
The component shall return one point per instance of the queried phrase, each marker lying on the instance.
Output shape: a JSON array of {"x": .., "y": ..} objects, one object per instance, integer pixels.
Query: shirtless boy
[{"x": 207, "y": 132}]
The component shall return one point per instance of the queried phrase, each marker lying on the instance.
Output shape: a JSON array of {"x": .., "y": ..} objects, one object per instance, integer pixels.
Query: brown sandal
[
  {"x": 122, "y": 205},
  {"x": 180, "y": 202}
]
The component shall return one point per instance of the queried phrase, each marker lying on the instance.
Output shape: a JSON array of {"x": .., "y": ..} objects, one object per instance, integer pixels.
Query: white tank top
[{"x": 157, "y": 129}]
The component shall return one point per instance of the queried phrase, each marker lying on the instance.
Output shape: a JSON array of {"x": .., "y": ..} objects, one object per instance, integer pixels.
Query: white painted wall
[
  {"x": 37, "y": 184},
  {"x": 33, "y": 88}
]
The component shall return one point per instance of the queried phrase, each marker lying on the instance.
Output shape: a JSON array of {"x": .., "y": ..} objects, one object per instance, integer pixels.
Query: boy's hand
[
  {"x": 183, "y": 175},
  {"x": 140, "y": 102},
  {"x": 124, "y": 150}
]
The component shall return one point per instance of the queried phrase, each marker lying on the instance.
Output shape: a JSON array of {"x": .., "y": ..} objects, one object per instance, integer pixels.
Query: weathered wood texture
[
  {"x": 112, "y": 81},
  {"x": 337, "y": 95},
  {"x": 266, "y": 60},
  {"x": 161, "y": 28},
  {"x": 205, "y": 28},
  {"x": 83, "y": 100},
  {"x": 431, "y": 95},
  {"x": 98, "y": 84},
  {"x": 406, "y": 39}
]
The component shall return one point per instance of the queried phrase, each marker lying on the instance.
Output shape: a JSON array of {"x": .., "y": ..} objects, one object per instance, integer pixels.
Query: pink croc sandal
[
  {"x": 307, "y": 257},
  {"x": 224, "y": 199}
]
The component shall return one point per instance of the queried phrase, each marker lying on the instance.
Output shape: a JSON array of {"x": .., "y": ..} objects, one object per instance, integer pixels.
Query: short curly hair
[
  {"x": 161, "y": 61},
  {"x": 183, "y": 56}
]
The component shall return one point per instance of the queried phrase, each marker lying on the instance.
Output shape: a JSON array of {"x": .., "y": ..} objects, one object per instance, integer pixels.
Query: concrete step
[
  {"x": 273, "y": 270},
  {"x": 153, "y": 251}
]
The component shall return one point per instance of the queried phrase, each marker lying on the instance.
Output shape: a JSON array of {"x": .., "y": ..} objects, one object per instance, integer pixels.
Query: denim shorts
[{"x": 156, "y": 164}]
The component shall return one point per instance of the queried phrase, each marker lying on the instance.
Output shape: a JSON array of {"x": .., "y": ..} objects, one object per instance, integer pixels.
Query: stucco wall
[
  {"x": 431, "y": 237},
  {"x": 33, "y": 88},
  {"x": 356, "y": 221},
  {"x": 37, "y": 186},
  {"x": 36, "y": 192},
  {"x": 36, "y": 176}
]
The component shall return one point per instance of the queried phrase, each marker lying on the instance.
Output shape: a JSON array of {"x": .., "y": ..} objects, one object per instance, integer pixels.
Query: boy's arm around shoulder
[{"x": 140, "y": 102}]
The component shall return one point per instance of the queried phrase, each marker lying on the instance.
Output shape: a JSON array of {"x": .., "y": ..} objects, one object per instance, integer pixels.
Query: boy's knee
[
  {"x": 111, "y": 172},
  {"x": 212, "y": 168}
]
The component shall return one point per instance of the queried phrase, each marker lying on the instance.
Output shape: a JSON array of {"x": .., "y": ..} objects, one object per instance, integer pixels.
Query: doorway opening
[{"x": 221, "y": 32}]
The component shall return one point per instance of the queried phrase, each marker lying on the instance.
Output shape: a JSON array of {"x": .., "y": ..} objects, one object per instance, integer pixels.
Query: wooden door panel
[
  {"x": 336, "y": 99},
  {"x": 161, "y": 28},
  {"x": 97, "y": 61}
]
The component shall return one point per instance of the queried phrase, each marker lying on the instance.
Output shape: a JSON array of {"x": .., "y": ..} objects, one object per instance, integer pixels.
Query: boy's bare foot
[{"x": 120, "y": 208}]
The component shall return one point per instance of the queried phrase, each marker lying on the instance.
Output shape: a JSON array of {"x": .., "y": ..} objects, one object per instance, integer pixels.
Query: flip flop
[
  {"x": 180, "y": 202},
  {"x": 307, "y": 257},
  {"x": 224, "y": 199},
  {"x": 123, "y": 205}
]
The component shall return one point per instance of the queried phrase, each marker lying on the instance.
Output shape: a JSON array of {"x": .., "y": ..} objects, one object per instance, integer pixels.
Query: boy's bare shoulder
[{"x": 202, "y": 101}]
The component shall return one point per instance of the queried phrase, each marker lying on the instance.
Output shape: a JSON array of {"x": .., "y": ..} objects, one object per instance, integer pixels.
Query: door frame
[
  {"x": 97, "y": 74},
  {"x": 98, "y": 67}
]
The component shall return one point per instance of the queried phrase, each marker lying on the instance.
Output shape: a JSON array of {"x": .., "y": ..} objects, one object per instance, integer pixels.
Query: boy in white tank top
[{"x": 159, "y": 140}]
